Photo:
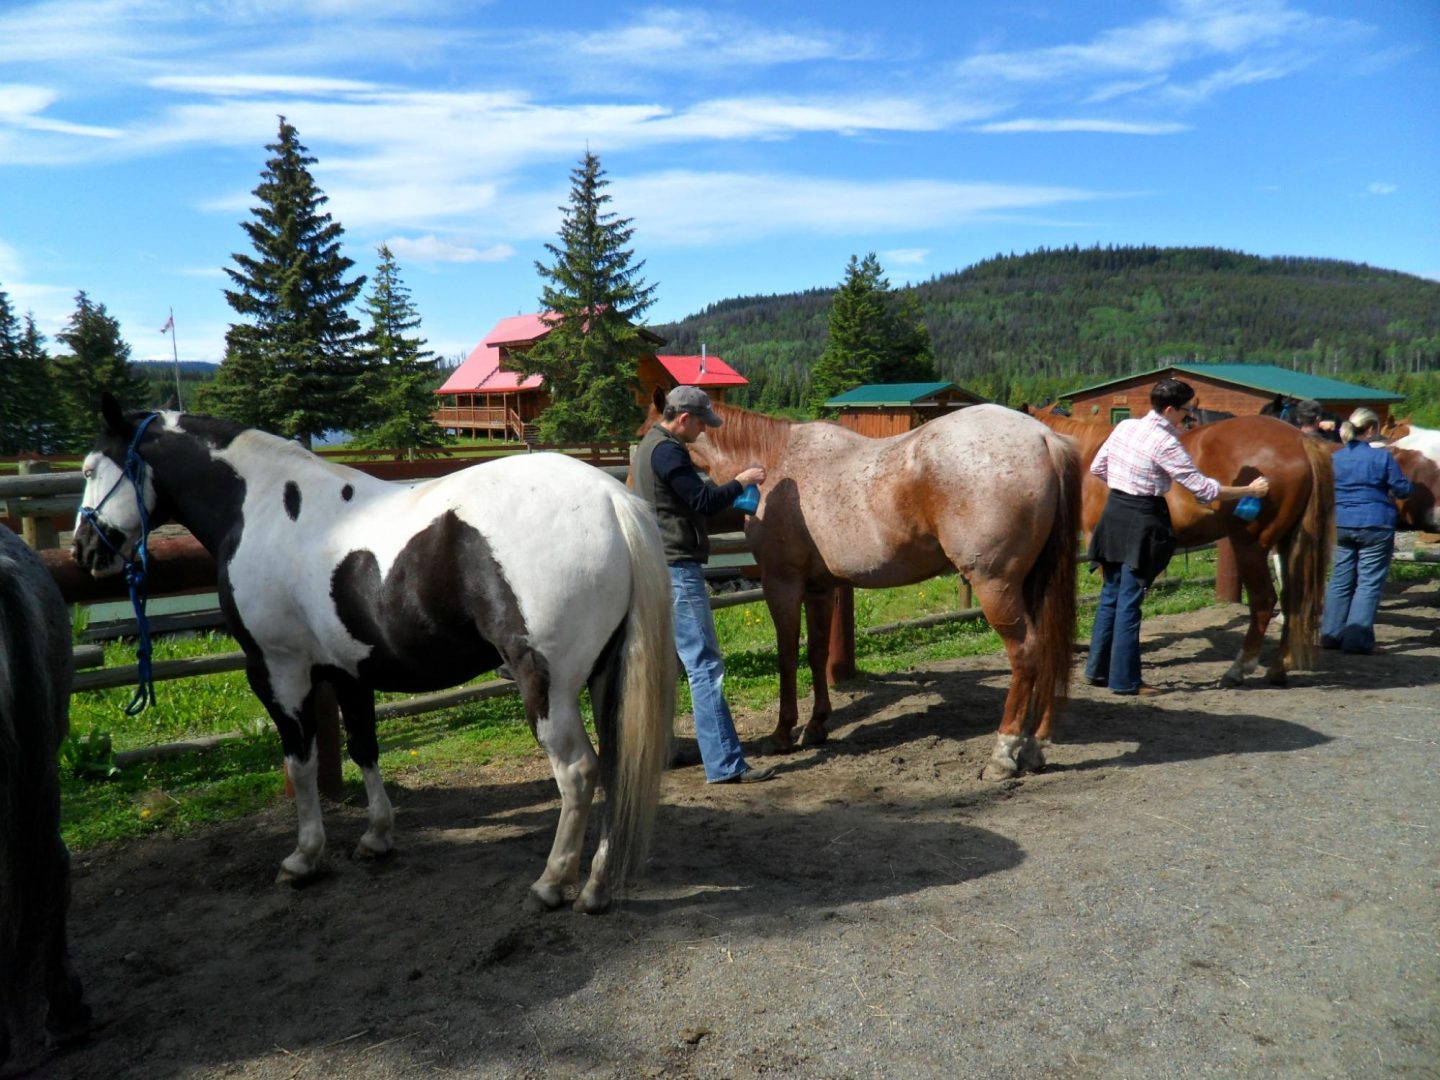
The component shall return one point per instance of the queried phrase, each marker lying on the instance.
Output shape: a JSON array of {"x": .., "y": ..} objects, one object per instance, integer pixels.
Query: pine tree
[
  {"x": 875, "y": 337},
  {"x": 98, "y": 361},
  {"x": 14, "y": 406},
  {"x": 856, "y": 346},
  {"x": 400, "y": 383},
  {"x": 593, "y": 297},
  {"x": 296, "y": 365}
]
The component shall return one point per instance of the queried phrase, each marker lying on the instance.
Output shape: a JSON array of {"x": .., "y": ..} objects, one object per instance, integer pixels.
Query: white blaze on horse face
[{"x": 110, "y": 492}]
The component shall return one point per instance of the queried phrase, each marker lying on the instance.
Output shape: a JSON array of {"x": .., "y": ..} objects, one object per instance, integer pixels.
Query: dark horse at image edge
[{"x": 36, "y": 666}]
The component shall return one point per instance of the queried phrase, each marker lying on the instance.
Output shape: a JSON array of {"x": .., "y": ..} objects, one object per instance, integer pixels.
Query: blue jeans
[
  {"x": 705, "y": 668},
  {"x": 1115, "y": 641},
  {"x": 1362, "y": 559}
]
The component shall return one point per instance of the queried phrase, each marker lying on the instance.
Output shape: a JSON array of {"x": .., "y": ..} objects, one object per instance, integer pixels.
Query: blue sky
[{"x": 755, "y": 147}]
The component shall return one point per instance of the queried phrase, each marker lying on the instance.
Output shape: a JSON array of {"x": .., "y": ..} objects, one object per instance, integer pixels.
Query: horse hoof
[
  {"x": 1229, "y": 681},
  {"x": 592, "y": 902},
  {"x": 543, "y": 898},
  {"x": 770, "y": 745},
  {"x": 1277, "y": 678},
  {"x": 995, "y": 770},
  {"x": 365, "y": 853},
  {"x": 815, "y": 737}
]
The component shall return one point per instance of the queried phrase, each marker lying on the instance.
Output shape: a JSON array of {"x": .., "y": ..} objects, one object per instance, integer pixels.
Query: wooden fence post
[
  {"x": 1227, "y": 574},
  {"x": 328, "y": 778},
  {"x": 39, "y": 533},
  {"x": 841, "y": 665}
]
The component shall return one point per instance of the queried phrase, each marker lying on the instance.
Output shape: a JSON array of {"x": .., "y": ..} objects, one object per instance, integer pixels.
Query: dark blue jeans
[
  {"x": 1362, "y": 560},
  {"x": 1115, "y": 641}
]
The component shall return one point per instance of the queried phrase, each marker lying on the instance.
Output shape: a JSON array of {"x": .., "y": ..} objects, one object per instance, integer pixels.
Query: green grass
[{"x": 245, "y": 774}]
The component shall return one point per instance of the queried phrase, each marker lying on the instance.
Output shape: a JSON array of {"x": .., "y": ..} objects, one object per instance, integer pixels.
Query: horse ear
[
  {"x": 657, "y": 399},
  {"x": 113, "y": 414}
]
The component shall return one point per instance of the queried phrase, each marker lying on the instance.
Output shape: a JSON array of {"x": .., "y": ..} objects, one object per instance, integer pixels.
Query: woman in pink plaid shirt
[{"x": 1134, "y": 541}]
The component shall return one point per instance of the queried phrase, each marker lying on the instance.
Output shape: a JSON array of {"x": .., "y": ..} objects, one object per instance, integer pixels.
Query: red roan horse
[
  {"x": 1297, "y": 518},
  {"x": 985, "y": 490}
]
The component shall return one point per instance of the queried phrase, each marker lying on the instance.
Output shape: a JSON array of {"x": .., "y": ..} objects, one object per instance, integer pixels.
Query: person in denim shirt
[{"x": 1367, "y": 481}]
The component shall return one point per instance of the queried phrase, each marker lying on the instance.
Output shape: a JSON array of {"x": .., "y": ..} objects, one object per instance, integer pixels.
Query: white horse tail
[{"x": 634, "y": 734}]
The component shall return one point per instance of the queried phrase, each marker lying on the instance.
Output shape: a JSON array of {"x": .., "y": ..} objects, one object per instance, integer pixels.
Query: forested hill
[{"x": 1023, "y": 326}]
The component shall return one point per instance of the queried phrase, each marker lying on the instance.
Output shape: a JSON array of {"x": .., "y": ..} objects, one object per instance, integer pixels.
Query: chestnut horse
[
  {"x": 986, "y": 491},
  {"x": 1297, "y": 519}
]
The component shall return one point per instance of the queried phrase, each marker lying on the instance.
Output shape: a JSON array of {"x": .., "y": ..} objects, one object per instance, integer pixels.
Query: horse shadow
[
  {"x": 885, "y": 713},
  {"x": 198, "y": 961}
]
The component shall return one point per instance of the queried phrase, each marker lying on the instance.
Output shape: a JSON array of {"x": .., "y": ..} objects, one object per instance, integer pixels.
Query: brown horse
[
  {"x": 1297, "y": 519},
  {"x": 986, "y": 491}
]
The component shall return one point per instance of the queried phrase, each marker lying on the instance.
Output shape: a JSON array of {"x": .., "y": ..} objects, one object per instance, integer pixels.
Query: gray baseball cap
[{"x": 692, "y": 399}]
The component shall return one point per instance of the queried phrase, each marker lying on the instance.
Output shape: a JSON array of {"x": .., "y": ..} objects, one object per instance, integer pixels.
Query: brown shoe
[
  {"x": 750, "y": 775},
  {"x": 1145, "y": 690}
]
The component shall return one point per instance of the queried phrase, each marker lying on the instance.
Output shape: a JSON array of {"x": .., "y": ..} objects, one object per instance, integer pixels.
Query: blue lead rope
[{"x": 136, "y": 570}]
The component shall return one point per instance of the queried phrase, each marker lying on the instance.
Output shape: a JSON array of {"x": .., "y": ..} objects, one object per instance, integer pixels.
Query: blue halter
[{"x": 138, "y": 566}]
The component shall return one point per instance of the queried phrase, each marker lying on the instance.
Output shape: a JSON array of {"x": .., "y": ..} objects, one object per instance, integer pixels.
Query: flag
[{"x": 169, "y": 325}]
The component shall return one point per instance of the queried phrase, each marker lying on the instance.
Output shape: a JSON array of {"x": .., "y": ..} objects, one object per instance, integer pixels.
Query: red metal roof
[
  {"x": 518, "y": 330},
  {"x": 685, "y": 370},
  {"x": 480, "y": 373}
]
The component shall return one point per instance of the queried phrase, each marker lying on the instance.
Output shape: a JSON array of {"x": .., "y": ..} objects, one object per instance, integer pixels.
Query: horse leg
[
  {"x": 1016, "y": 749},
  {"x": 561, "y": 733},
  {"x": 1254, "y": 571},
  {"x": 819, "y": 611},
  {"x": 67, "y": 1016},
  {"x": 783, "y": 598},
  {"x": 357, "y": 709},
  {"x": 275, "y": 684}
]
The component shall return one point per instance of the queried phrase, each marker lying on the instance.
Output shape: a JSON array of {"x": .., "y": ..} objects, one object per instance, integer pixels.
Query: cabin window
[{"x": 1116, "y": 415}]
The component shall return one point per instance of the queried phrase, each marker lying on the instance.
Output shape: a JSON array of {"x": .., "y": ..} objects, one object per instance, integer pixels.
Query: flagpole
[{"x": 175, "y": 353}]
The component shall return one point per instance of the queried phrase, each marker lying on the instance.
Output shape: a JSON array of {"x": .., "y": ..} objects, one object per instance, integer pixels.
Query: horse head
[{"x": 113, "y": 518}]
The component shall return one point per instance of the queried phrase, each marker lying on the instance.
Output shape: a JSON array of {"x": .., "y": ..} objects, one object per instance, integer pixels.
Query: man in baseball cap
[
  {"x": 666, "y": 478},
  {"x": 692, "y": 400}
]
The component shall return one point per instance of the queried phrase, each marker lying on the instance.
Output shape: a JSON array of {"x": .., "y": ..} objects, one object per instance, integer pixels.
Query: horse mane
[
  {"x": 1088, "y": 435},
  {"x": 761, "y": 437}
]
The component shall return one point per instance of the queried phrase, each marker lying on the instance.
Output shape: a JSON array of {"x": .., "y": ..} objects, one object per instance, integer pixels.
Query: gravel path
[{"x": 1208, "y": 883}]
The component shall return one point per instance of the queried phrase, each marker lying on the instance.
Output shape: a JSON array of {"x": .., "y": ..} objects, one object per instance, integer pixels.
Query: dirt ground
[{"x": 1207, "y": 883}]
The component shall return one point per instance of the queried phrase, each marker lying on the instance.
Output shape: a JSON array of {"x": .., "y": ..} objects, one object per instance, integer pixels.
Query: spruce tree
[
  {"x": 14, "y": 404},
  {"x": 98, "y": 361},
  {"x": 294, "y": 367},
  {"x": 875, "y": 336},
  {"x": 593, "y": 298},
  {"x": 41, "y": 428},
  {"x": 856, "y": 344},
  {"x": 400, "y": 383}
]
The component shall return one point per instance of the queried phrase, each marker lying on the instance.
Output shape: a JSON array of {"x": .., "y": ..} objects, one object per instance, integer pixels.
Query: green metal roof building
[
  {"x": 1242, "y": 389},
  {"x": 883, "y": 409}
]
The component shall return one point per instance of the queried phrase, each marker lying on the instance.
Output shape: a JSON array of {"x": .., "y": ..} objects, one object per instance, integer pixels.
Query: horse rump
[{"x": 36, "y": 668}]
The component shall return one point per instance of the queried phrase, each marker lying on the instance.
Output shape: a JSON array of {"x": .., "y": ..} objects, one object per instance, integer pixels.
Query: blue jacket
[{"x": 1366, "y": 478}]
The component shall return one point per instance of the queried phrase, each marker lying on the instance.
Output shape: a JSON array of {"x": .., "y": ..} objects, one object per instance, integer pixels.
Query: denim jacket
[{"x": 1367, "y": 480}]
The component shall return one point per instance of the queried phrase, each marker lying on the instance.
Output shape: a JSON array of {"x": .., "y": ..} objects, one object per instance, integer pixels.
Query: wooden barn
[
  {"x": 883, "y": 409},
  {"x": 485, "y": 395},
  {"x": 1241, "y": 389}
]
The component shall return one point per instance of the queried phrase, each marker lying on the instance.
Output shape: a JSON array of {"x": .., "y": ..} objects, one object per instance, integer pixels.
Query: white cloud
[
  {"x": 432, "y": 249},
  {"x": 238, "y": 85},
  {"x": 905, "y": 256},
  {"x": 1380, "y": 187},
  {"x": 692, "y": 208},
  {"x": 1106, "y": 127}
]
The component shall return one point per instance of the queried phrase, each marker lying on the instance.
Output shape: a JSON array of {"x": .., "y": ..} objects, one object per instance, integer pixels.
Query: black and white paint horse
[
  {"x": 36, "y": 667},
  {"x": 329, "y": 575}
]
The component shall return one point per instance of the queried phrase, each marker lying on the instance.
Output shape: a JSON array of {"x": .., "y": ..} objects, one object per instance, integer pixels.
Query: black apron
[{"x": 1134, "y": 530}]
